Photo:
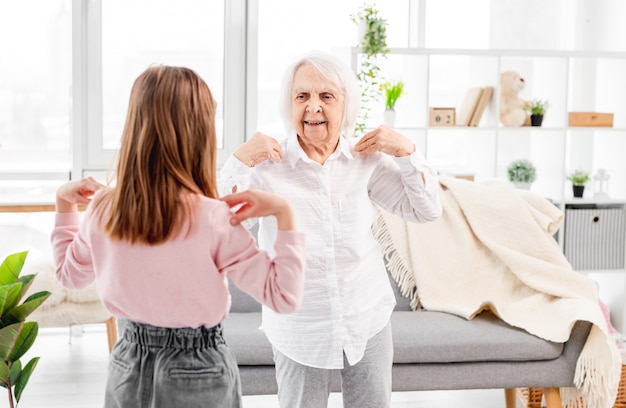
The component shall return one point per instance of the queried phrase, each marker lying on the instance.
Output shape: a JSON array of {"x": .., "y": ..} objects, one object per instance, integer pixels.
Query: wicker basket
[
  {"x": 532, "y": 397},
  {"x": 620, "y": 401}
]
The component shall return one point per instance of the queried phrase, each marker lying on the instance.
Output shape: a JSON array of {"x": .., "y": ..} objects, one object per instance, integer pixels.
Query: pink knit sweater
[{"x": 181, "y": 283}]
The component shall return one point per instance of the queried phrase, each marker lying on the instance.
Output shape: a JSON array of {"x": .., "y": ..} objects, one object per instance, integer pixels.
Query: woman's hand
[
  {"x": 257, "y": 149},
  {"x": 256, "y": 203},
  {"x": 386, "y": 140},
  {"x": 70, "y": 194}
]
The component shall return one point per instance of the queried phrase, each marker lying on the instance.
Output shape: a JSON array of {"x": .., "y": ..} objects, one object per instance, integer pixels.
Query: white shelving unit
[{"x": 570, "y": 80}]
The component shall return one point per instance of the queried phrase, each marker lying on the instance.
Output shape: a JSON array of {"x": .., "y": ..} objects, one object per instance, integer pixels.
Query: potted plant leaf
[
  {"x": 578, "y": 178},
  {"x": 537, "y": 109},
  {"x": 522, "y": 173},
  {"x": 16, "y": 335},
  {"x": 393, "y": 91}
]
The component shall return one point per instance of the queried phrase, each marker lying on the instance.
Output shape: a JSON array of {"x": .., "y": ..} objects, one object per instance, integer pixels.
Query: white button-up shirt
[{"x": 347, "y": 295}]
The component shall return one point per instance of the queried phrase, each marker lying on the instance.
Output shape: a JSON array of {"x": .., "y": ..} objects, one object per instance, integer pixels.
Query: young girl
[{"x": 160, "y": 245}]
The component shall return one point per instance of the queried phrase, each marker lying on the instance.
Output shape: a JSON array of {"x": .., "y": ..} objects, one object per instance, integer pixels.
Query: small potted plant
[
  {"x": 578, "y": 178},
  {"x": 393, "y": 91},
  {"x": 537, "y": 109},
  {"x": 522, "y": 173}
]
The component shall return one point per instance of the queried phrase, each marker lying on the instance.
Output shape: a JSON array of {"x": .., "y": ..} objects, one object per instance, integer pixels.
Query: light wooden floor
[{"x": 72, "y": 375}]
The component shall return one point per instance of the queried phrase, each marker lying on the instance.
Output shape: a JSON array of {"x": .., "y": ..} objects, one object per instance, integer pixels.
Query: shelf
[
  {"x": 503, "y": 53},
  {"x": 584, "y": 81}
]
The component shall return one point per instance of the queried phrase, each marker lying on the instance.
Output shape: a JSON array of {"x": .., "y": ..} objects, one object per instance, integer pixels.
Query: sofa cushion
[
  {"x": 247, "y": 341},
  {"x": 446, "y": 338},
  {"x": 241, "y": 302},
  {"x": 442, "y": 338},
  {"x": 402, "y": 302}
]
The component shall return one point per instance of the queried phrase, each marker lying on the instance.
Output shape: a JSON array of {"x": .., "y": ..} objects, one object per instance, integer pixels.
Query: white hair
[{"x": 334, "y": 70}]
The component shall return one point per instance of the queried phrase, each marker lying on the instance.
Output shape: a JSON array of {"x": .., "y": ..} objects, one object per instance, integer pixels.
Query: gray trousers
[
  {"x": 158, "y": 367},
  {"x": 367, "y": 384}
]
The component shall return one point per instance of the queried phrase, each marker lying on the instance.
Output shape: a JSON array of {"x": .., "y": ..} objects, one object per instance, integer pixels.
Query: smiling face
[{"x": 317, "y": 108}]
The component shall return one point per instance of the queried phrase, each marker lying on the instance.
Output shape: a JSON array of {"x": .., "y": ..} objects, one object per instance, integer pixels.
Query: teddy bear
[{"x": 512, "y": 113}]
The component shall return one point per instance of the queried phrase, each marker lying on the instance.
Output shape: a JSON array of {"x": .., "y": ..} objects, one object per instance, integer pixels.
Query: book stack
[{"x": 473, "y": 106}]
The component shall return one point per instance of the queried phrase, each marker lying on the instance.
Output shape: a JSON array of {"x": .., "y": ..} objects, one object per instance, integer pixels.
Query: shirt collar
[{"x": 294, "y": 151}]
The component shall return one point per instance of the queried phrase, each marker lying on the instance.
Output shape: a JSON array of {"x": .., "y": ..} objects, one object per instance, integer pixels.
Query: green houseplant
[
  {"x": 393, "y": 91},
  {"x": 537, "y": 109},
  {"x": 521, "y": 173},
  {"x": 578, "y": 178},
  {"x": 16, "y": 335},
  {"x": 373, "y": 43}
]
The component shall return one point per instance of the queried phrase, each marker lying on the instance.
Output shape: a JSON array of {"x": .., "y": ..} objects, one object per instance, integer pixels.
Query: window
[
  {"x": 67, "y": 71},
  {"x": 140, "y": 33},
  {"x": 35, "y": 86}
]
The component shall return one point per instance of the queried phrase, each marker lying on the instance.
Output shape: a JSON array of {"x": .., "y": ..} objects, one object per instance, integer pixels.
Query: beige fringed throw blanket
[{"x": 493, "y": 248}]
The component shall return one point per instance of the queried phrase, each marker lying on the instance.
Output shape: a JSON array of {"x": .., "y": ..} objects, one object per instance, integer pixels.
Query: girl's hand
[
  {"x": 75, "y": 192},
  {"x": 256, "y": 203}
]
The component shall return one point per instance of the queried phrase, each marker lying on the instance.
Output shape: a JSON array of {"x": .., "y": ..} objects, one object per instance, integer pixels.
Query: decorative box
[
  {"x": 442, "y": 116},
  {"x": 592, "y": 119}
]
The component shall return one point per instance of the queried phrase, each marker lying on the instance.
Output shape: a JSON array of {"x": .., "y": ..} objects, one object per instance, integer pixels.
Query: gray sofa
[{"x": 432, "y": 351}]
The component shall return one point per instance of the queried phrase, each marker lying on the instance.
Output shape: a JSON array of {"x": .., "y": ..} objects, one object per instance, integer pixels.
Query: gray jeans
[
  {"x": 158, "y": 367},
  {"x": 367, "y": 384}
]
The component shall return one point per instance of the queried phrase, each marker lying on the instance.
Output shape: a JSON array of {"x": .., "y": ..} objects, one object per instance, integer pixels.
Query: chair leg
[
  {"x": 111, "y": 332},
  {"x": 510, "y": 398},
  {"x": 553, "y": 397}
]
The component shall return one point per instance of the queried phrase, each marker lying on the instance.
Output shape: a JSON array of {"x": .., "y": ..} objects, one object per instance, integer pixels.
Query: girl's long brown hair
[{"x": 168, "y": 150}]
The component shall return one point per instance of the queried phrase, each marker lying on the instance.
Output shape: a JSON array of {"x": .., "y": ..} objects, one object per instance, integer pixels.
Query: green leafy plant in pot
[
  {"x": 537, "y": 109},
  {"x": 522, "y": 173},
  {"x": 393, "y": 92},
  {"x": 578, "y": 178},
  {"x": 16, "y": 335}
]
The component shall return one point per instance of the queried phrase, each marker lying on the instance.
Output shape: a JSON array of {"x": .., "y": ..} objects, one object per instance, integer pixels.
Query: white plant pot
[
  {"x": 523, "y": 186},
  {"x": 389, "y": 117}
]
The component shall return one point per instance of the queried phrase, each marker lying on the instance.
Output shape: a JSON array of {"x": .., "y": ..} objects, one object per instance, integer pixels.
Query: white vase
[
  {"x": 389, "y": 117},
  {"x": 522, "y": 186}
]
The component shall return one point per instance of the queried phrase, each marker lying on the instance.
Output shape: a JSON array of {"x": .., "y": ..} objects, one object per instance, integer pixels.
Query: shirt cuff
[
  {"x": 415, "y": 161},
  {"x": 66, "y": 219},
  {"x": 234, "y": 173},
  {"x": 234, "y": 166}
]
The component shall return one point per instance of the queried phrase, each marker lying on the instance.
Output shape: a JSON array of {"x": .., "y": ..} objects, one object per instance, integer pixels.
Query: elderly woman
[{"x": 335, "y": 184}]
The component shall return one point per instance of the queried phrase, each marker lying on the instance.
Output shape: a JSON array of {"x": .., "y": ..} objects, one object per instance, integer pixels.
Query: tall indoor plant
[
  {"x": 16, "y": 335},
  {"x": 373, "y": 43}
]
